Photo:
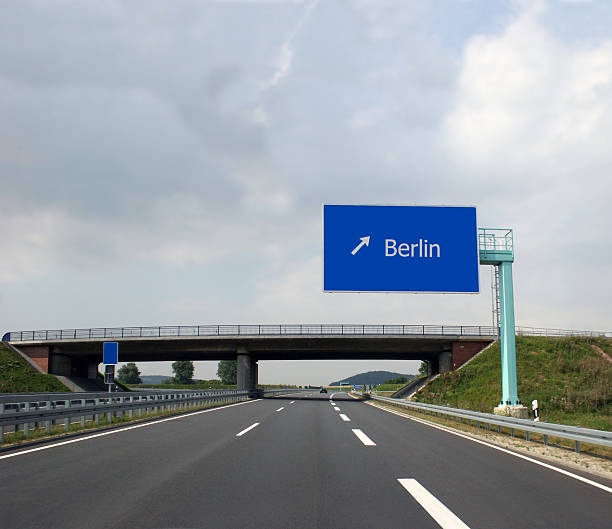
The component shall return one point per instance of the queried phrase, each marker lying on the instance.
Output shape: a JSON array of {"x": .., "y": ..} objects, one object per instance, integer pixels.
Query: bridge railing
[
  {"x": 248, "y": 330},
  {"x": 169, "y": 331},
  {"x": 27, "y": 412},
  {"x": 573, "y": 433}
]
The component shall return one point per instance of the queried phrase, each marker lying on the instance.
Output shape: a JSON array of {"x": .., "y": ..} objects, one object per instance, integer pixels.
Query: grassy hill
[
  {"x": 17, "y": 376},
  {"x": 568, "y": 376}
]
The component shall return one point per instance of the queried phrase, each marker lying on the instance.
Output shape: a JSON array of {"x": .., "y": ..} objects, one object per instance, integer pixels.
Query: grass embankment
[
  {"x": 17, "y": 376},
  {"x": 568, "y": 377}
]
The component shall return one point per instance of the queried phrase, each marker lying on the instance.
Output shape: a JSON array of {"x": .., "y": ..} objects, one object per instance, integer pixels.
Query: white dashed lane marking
[
  {"x": 363, "y": 437},
  {"x": 434, "y": 507},
  {"x": 247, "y": 429}
]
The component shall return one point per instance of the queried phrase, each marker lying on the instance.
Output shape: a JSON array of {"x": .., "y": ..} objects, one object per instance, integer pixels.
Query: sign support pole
[
  {"x": 508, "y": 337},
  {"x": 497, "y": 248}
]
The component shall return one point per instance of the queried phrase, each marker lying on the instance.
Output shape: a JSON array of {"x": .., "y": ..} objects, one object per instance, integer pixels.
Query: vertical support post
[
  {"x": 26, "y": 425},
  {"x": 48, "y": 422},
  {"x": 97, "y": 415},
  {"x": 83, "y": 417},
  {"x": 67, "y": 419},
  {"x": 508, "y": 336}
]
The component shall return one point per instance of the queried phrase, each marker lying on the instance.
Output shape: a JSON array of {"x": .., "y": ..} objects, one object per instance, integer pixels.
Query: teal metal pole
[{"x": 507, "y": 336}]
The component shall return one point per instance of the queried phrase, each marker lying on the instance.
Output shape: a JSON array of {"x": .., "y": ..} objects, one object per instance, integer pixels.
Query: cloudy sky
[{"x": 165, "y": 162}]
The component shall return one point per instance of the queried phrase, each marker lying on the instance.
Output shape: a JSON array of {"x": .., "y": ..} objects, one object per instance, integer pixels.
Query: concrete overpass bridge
[{"x": 77, "y": 352}]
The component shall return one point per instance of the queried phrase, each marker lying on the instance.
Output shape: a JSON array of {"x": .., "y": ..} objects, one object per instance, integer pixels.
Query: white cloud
[
  {"x": 531, "y": 124},
  {"x": 29, "y": 241},
  {"x": 526, "y": 96}
]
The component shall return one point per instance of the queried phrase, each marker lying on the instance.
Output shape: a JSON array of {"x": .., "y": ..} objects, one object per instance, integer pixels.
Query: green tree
[
  {"x": 423, "y": 368},
  {"x": 226, "y": 371},
  {"x": 183, "y": 372},
  {"x": 129, "y": 374}
]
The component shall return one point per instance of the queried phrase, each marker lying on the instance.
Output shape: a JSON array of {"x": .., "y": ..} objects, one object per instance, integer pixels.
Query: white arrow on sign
[{"x": 364, "y": 240}]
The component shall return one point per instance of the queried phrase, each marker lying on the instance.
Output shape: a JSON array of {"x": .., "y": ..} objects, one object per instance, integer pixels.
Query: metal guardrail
[
  {"x": 560, "y": 333},
  {"x": 573, "y": 433},
  {"x": 47, "y": 410},
  {"x": 103, "y": 333}
]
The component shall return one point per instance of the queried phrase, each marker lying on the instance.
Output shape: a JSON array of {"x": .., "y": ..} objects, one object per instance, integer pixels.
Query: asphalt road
[{"x": 289, "y": 463}]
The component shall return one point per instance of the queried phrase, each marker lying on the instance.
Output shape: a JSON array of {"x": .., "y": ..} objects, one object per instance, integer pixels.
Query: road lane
[
  {"x": 302, "y": 468},
  {"x": 484, "y": 487},
  {"x": 69, "y": 480}
]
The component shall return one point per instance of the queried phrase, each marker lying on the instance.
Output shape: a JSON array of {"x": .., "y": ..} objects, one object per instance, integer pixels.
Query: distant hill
[
  {"x": 154, "y": 379},
  {"x": 371, "y": 377}
]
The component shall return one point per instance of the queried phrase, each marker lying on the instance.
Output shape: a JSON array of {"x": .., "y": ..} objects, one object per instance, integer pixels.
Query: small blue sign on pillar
[
  {"x": 110, "y": 353},
  {"x": 369, "y": 248}
]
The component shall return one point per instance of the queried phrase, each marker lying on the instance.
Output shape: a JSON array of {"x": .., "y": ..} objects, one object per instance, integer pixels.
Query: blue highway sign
[
  {"x": 110, "y": 353},
  {"x": 400, "y": 249}
]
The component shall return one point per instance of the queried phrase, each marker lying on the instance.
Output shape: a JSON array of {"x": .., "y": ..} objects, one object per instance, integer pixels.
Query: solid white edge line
[
  {"x": 363, "y": 437},
  {"x": 506, "y": 451},
  {"x": 111, "y": 432},
  {"x": 344, "y": 418},
  {"x": 434, "y": 507},
  {"x": 254, "y": 425},
  {"x": 281, "y": 408},
  {"x": 336, "y": 408}
]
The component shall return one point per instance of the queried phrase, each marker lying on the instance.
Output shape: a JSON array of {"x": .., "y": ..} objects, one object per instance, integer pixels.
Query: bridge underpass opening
[{"x": 318, "y": 373}]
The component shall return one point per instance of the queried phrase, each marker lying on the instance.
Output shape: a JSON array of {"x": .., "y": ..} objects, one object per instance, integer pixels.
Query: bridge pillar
[
  {"x": 246, "y": 370},
  {"x": 445, "y": 361}
]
